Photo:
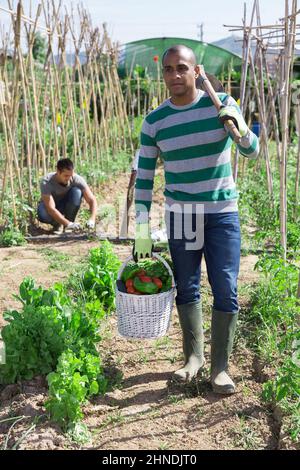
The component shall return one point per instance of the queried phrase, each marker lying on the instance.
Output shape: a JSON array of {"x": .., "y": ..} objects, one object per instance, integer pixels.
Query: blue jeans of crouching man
[
  {"x": 221, "y": 248},
  {"x": 68, "y": 207}
]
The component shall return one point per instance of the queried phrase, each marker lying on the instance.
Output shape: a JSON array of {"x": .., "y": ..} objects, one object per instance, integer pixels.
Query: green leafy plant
[
  {"x": 285, "y": 390},
  {"x": 77, "y": 378},
  {"x": 48, "y": 323},
  {"x": 101, "y": 274},
  {"x": 56, "y": 334},
  {"x": 30, "y": 294},
  {"x": 34, "y": 339},
  {"x": 35, "y": 336},
  {"x": 11, "y": 236},
  {"x": 286, "y": 384},
  {"x": 83, "y": 326}
]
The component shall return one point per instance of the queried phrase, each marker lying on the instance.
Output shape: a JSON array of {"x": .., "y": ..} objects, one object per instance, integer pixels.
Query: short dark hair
[
  {"x": 64, "y": 164},
  {"x": 180, "y": 48}
]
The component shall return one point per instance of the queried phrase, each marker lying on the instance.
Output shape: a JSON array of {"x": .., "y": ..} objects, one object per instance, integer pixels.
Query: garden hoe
[{"x": 210, "y": 84}]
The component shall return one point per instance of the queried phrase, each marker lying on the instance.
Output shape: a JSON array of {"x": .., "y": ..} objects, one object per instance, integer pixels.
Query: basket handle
[{"x": 154, "y": 255}]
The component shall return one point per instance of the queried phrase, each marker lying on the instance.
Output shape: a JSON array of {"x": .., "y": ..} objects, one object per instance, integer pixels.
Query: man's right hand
[
  {"x": 73, "y": 226},
  {"x": 143, "y": 245},
  {"x": 90, "y": 224}
]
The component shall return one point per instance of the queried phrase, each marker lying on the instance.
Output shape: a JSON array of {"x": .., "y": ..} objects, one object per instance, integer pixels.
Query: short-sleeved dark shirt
[{"x": 50, "y": 187}]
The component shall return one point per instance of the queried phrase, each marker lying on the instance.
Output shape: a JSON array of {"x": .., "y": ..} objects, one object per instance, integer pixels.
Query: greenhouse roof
[{"x": 148, "y": 52}]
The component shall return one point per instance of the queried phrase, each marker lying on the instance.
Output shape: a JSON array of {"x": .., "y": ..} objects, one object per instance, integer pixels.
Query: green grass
[
  {"x": 57, "y": 261},
  {"x": 246, "y": 435},
  {"x": 115, "y": 418}
]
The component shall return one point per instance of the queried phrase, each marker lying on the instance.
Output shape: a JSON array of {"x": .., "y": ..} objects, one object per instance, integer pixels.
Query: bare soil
[{"x": 146, "y": 410}]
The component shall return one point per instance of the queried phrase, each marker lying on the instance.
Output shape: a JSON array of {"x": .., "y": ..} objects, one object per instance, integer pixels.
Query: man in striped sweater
[{"x": 201, "y": 207}]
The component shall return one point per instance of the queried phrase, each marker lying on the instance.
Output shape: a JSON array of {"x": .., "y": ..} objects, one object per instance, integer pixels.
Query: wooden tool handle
[
  {"x": 229, "y": 125},
  {"x": 233, "y": 131}
]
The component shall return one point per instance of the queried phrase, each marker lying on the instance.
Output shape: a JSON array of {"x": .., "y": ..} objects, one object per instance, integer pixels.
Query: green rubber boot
[
  {"x": 222, "y": 335},
  {"x": 190, "y": 317}
]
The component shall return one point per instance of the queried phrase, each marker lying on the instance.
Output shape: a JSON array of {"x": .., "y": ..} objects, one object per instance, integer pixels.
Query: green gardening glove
[
  {"x": 230, "y": 112},
  {"x": 142, "y": 247}
]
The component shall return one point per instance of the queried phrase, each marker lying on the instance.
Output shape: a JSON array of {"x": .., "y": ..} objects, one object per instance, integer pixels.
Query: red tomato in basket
[
  {"x": 157, "y": 281},
  {"x": 132, "y": 290},
  {"x": 145, "y": 278},
  {"x": 129, "y": 283}
]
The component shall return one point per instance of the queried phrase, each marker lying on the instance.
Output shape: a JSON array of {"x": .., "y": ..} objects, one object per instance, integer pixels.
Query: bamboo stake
[
  {"x": 93, "y": 98},
  {"x": 273, "y": 108},
  {"x": 102, "y": 109},
  {"x": 264, "y": 132},
  {"x": 8, "y": 164},
  {"x": 96, "y": 117},
  {"x": 14, "y": 153},
  {"x": 246, "y": 51},
  {"x": 284, "y": 126},
  {"x": 293, "y": 34},
  {"x": 3, "y": 103},
  {"x": 62, "y": 46},
  {"x": 297, "y": 119},
  {"x": 229, "y": 78},
  {"x": 55, "y": 99},
  {"x": 34, "y": 97},
  {"x": 15, "y": 84},
  {"x": 11, "y": 137}
]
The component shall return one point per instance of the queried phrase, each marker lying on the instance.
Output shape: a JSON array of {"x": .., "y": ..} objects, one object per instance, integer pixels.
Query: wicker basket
[{"x": 144, "y": 316}]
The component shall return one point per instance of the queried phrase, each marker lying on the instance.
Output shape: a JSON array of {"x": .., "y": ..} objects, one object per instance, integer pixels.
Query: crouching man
[{"x": 62, "y": 192}]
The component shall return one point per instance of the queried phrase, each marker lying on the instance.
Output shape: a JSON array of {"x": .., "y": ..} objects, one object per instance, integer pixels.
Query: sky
[{"x": 130, "y": 20}]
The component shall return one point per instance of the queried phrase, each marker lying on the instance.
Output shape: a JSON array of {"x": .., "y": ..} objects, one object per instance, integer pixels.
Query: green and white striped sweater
[{"x": 196, "y": 152}]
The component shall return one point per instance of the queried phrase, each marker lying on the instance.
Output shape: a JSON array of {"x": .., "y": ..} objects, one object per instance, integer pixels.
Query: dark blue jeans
[
  {"x": 221, "y": 249},
  {"x": 68, "y": 207}
]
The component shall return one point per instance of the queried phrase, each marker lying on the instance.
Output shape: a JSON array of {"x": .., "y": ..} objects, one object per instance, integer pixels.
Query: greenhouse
[{"x": 148, "y": 52}]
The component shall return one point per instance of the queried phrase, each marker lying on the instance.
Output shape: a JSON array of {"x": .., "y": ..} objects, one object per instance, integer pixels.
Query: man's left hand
[
  {"x": 90, "y": 224},
  {"x": 231, "y": 113}
]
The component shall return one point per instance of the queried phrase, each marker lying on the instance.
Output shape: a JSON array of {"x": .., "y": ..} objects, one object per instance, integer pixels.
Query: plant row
[{"x": 57, "y": 331}]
